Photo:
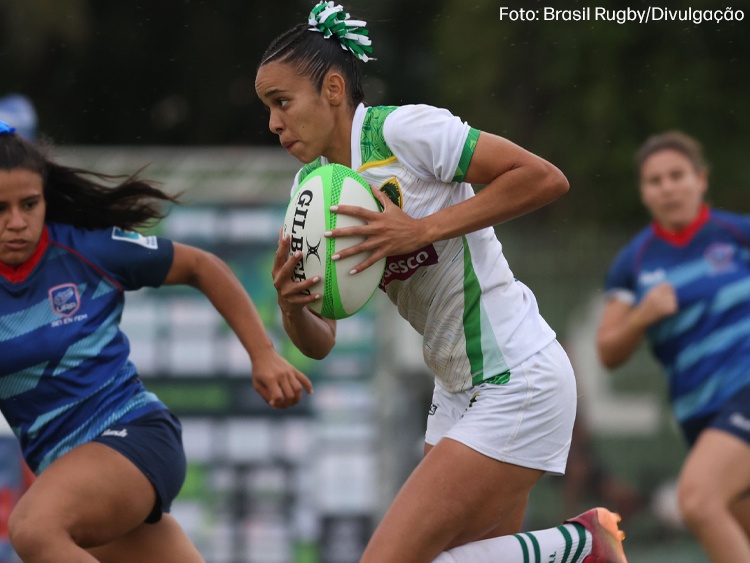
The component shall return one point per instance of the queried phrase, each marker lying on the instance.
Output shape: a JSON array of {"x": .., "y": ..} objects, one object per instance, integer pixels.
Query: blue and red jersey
[
  {"x": 705, "y": 346},
  {"x": 65, "y": 376}
]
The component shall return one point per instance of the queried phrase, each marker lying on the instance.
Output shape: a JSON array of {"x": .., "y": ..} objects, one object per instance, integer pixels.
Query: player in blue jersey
[
  {"x": 108, "y": 453},
  {"x": 683, "y": 284}
]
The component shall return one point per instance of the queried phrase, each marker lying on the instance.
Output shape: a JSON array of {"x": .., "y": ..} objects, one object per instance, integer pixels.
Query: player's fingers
[
  {"x": 354, "y": 211},
  {"x": 275, "y": 396},
  {"x": 380, "y": 196},
  {"x": 304, "y": 381},
  {"x": 292, "y": 391},
  {"x": 283, "y": 274},
  {"x": 263, "y": 391},
  {"x": 288, "y": 288},
  {"x": 367, "y": 246},
  {"x": 365, "y": 264}
]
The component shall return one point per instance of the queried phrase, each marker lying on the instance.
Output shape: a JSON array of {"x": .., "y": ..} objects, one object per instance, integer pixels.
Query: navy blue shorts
[
  {"x": 734, "y": 418},
  {"x": 153, "y": 443}
]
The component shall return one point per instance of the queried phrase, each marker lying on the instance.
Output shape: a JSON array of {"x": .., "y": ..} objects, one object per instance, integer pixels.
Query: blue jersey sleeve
[
  {"x": 736, "y": 223},
  {"x": 128, "y": 258},
  {"x": 135, "y": 260},
  {"x": 620, "y": 280}
]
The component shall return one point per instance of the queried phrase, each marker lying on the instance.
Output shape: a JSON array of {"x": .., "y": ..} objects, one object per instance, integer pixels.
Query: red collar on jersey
[
  {"x": 17, "y": 274},
  {"x": 684, "y": 236}
]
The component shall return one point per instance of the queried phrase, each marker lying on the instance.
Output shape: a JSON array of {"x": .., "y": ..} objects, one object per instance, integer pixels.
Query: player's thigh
[
  {"x": 455, "y": 495},
  {"x": 716, "y": 469},
  {"x": 488, "y": 496},
  {"x": 92, "y": 493},
  {"x": 741, "y": 511},
  {"x": 163, "y": 541}
]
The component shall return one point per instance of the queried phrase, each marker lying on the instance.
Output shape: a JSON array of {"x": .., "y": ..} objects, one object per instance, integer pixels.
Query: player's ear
[{"x": 334, "y": 88}]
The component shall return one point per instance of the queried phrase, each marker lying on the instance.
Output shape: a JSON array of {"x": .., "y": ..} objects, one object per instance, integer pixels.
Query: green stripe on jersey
[
  {"x": 472, "y": 316},
  {"x": 307, "y": 168},
  {"x": 466, "y": 153},
  {"x": 372, "y": 142},
  {"x": 485, "y": 358}
]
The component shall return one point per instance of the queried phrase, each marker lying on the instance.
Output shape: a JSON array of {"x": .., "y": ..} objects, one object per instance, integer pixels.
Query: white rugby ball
[{"x": 308, "y": 216}]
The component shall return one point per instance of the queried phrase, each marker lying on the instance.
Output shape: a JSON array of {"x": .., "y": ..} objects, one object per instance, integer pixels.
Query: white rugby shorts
[{"x": 527, "y": 421}]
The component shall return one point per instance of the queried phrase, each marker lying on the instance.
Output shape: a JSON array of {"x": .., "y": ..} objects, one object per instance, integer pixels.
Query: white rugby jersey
[{"x": 477, "y": 321}]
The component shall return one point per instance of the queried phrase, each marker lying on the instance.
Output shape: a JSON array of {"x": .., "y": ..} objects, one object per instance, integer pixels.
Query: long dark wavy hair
[{"x": 83, "y": 198}]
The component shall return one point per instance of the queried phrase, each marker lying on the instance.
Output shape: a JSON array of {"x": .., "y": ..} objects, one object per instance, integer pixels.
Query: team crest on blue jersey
[
  {"x": 720, "y": 256},
  {"x": 65, "y": 299},
  {"x": 134, "y": 237}
]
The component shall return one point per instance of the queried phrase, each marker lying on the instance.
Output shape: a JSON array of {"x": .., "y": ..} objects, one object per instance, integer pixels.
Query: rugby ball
[{"x": 308, "y": 217}]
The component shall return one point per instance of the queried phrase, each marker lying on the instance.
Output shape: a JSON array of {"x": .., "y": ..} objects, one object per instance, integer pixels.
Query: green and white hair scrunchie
[{"x": 331, "y": 20}]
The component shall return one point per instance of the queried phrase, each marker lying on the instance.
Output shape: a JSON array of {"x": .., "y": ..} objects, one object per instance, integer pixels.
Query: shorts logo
[
  {"x": 65, "y": 299},
  {"x": 119, "y": 433},
  {"x": 648, "y": 279},
  {"x": 433, "y": 409},
  {"x": 135, "y": 238},
  {"x": 740, "y": 422}
]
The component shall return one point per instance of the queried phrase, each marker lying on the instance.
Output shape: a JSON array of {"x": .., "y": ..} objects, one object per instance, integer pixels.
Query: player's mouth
[
  {"x": 288, "y": 146},
  {"x": 16, "y": 244}
]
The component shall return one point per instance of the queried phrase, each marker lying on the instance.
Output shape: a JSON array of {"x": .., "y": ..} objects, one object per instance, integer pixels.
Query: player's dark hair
[
  {"x": 313, "y": 56},
  {"x": 83, "y": 198},
  {"x": 675, "y": 141}
]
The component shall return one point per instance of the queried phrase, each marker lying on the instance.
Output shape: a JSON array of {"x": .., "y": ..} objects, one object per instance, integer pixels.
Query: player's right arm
[
  {"x": 312, "y": 334},
  {"x": 624, "y": 325}
]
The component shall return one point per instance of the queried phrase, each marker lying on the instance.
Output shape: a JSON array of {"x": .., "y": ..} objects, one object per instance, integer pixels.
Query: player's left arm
[
  {"x": 277, "y": 381},
  {"x": 516, "y": 182}
]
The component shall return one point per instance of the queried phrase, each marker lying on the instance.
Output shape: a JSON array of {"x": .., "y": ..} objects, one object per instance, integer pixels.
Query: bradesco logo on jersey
[
  {"x": 65, "y": 299},
  {"x": 404, "y": 266}
]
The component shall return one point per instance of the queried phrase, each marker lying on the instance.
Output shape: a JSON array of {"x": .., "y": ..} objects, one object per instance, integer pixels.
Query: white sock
[{"x": 568, "y": 543}]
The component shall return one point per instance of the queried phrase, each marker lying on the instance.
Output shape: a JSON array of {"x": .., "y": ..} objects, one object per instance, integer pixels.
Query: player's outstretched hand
[{"x": 279, "y": 382}]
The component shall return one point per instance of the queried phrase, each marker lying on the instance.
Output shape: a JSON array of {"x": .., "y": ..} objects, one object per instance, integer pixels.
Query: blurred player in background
[
  {"x": 108, "y": 454},
  {"x": 683, "y": 284},
  {"x": 505, "y": 395}
]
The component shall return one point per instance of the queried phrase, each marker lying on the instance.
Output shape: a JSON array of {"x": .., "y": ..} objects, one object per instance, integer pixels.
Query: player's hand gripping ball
[{"x": 308, "y": 217}]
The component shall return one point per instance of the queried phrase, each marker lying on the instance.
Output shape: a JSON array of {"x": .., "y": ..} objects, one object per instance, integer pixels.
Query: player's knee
[
  {"x": 697, "y": 504},
  {"x": 26, "y": 536}
]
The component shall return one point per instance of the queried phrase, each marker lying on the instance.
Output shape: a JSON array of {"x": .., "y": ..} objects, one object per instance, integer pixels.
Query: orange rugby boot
[{"x": 607, "y": 537}]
